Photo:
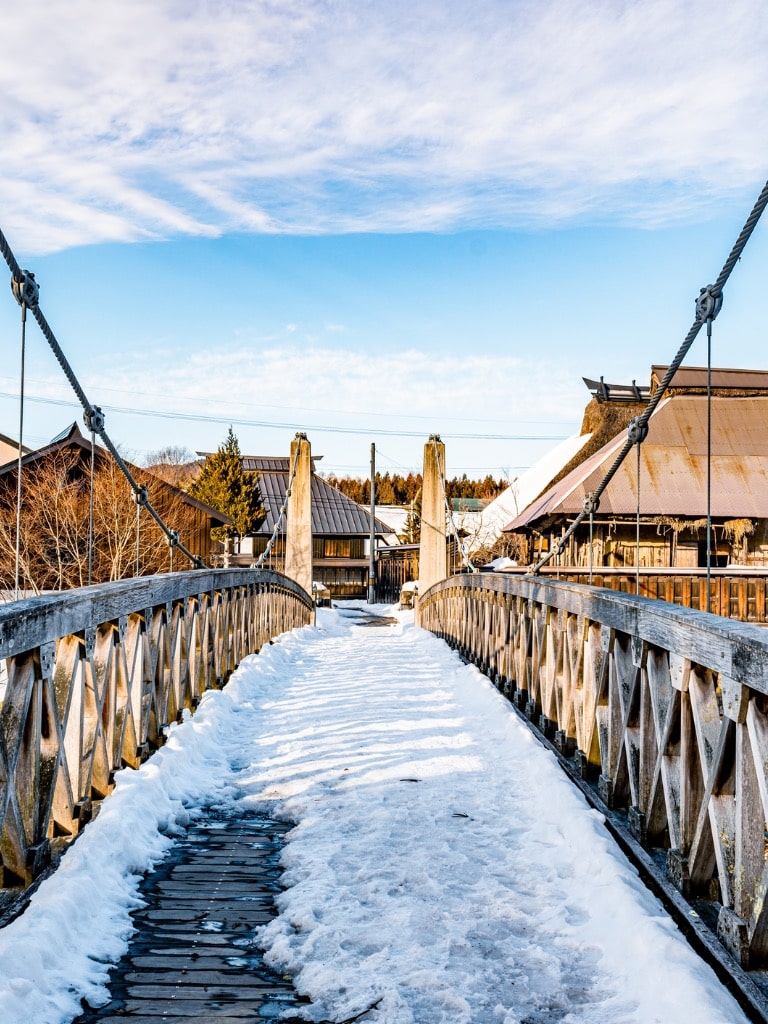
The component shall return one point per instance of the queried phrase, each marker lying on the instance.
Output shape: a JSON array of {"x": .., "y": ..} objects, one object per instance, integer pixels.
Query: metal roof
[
  {"x": 722, "y": 378},
  {"x": 72, "y": 438},
  {"x": 673, "y": 465},
  {"x": 333, "y": 513}
]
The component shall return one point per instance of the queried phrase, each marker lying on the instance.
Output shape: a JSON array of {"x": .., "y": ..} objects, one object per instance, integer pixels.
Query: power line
[
  {"x": 210, "y": 399},
  {"x": 272, "y": 425},
  {"x": 26, "y": 292}
]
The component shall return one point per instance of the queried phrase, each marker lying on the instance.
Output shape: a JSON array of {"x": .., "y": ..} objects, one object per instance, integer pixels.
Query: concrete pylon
[
  {"x": 433, "y": 557},
  {"x": 298, "y": 530}
]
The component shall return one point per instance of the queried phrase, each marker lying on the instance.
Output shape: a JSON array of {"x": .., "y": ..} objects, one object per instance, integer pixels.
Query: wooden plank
[{"x": 177, "y": 969}]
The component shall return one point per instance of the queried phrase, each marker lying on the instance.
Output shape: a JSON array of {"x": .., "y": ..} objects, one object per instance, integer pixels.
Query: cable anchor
[
  {"x": 26, "y": 290},
  {"x": 93, "y": 419},
  {"x": 141, "y": 496},
  {"x": 708, "y": 304},
  {"x": 591, "y": 503},
  {"x": 637, "y": 431}
]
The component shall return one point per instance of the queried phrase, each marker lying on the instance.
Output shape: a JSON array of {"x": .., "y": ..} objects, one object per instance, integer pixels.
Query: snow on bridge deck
[{"x": 442, "y": 866}]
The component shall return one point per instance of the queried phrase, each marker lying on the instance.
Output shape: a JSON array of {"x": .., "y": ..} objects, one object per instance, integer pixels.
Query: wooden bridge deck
[{"x": 193, "y": 956}]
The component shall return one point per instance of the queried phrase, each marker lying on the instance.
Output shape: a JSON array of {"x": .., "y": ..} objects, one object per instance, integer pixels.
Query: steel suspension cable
[
  {"x": 709, "y": 465},
  {"x": 22, "y": 377},
  {"x": 708, "y": 305},
  {"x": 138, "y": 539},
  {"x": 637, "y": 525},
  {"x": 283, "y": 508},
  {"x": 23, "y": 283},
  {"x": 90, "y": 508},
  {"x": 449, "y": 511}
]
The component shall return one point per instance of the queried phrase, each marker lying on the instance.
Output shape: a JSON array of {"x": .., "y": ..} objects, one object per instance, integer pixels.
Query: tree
[
  {"x": 175, "y": 464},
  {"x": 53, "y": 541},
  {"x": 224, "y": 484}
]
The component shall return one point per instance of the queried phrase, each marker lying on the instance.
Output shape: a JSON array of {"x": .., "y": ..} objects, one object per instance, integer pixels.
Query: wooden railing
[
  {"x": 665, "y": 708},
  {"x": 736, "y": 592},
  {"x": 95, "y": 675}
]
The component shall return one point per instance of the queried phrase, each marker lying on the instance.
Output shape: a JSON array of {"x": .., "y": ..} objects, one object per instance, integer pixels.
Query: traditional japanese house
[
  {"x": 340, "y": 529},
  {"x": 679, "y": 462},
  {"x": 64, "y": 465}
]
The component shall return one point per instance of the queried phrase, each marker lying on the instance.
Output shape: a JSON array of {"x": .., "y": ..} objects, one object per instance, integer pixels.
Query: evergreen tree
[{"x": 224, "y": 484}]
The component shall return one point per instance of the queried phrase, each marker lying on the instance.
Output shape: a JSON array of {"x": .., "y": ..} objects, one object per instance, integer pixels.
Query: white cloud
[
  {"x": 305, "y": 384},
  {"x": 157, "y": 118},
  {"x": 341, "y": 396}
]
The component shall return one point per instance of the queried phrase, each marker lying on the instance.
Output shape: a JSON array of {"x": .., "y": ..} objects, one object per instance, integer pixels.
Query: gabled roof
[
  {"x": 333, "y": 513},
  {"x": 673, "y": 465},
  {"x": 9, "y": 449},
  {"x": 72, "y": 437}
]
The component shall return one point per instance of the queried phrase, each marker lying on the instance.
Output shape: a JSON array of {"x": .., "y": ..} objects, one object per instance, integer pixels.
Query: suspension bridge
[{"x": 372, "y": 737}]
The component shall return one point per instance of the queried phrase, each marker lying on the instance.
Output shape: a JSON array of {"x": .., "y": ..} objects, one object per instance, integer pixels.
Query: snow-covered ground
[{"x": 441, "y": 867}]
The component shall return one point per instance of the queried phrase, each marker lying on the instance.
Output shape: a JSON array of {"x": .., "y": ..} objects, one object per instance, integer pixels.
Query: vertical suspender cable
[
  {"x": 709, "y": 464},
  {"x": 708, "y": 305},
  {"x": 26, "y": 293},
  {"x": 138, "y": 537},
  {"x": 90, "y": 508},
  {"x": 141, "y": 497},
  {"x": 637, "y": 526},
  {"x": 267, "y": 552},
  {"x": 591, "y": 536},
  {"x": 21, "y": 450}
]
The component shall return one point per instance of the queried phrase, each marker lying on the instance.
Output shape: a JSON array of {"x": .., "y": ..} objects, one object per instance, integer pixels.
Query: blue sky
[{"x": 374, "y": 222}]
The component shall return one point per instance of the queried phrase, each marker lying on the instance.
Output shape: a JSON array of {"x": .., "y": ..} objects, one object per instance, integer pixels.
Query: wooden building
[
  {"x": 340, "y": 529},
  {"x": 9, "y": 450},
  {"x": 395, "y": 566},
  {"x": 55, "y": 514},
  {"x": 671, "y": 487}
]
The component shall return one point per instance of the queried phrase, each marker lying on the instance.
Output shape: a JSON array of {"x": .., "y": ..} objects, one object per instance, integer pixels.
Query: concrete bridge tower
[
  {"x": 298, "y": 533},
  {"x": 433, "y": 559}
]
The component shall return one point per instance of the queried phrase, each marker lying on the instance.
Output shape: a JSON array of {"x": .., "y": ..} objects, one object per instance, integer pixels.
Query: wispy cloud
[
  {"x": 298, "y": 384},
  {"x": 159, "y": 118}
]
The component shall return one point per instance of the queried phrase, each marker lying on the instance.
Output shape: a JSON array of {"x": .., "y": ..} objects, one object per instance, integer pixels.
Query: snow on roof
[
  {"x": 393, "y": 516},
  {"x": 673, "y": 465},
  {"x": 522, "y": 491}
]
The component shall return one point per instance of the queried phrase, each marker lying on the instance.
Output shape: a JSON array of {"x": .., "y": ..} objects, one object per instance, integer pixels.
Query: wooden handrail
[
  {"x": 735, "y": 592},
  {"x": 94, "y": 677},
  {"x": 664, "y": 707}
]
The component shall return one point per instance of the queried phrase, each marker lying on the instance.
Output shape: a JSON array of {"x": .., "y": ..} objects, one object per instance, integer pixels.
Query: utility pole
[{"x": 372, "y": 553}]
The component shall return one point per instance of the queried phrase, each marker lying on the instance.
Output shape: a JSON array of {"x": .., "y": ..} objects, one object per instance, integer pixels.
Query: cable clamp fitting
[
  {"x": 708, "y": 304},
  {"x": 93, "y": 419},
  {"x": 26, "y": 290},
  {"x": 637, "y": 430},
  {"x": 591, "y": 503},
  {"x": 173, "y": 538},
  {"x": 141, "y": 495}
]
